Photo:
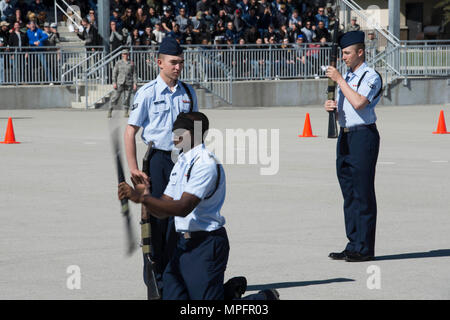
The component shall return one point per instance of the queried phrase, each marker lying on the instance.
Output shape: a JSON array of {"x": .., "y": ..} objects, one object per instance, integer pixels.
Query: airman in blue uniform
[
  {"x": 194, "y": 196},
  {"x": 156, "y": 106},
  {"x": 358, "y": 144}
]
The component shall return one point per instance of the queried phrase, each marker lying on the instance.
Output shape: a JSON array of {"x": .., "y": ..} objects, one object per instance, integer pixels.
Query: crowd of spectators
[{"x": 140, "y": 22}]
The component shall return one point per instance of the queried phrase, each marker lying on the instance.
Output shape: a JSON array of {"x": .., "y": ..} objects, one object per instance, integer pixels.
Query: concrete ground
[{"x": 58, "y": 208}]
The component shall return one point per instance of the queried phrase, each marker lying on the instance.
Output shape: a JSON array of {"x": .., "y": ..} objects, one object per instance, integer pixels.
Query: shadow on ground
[
  {"x": 282, "y": 285},
  {"x": 416, "y": 255}
]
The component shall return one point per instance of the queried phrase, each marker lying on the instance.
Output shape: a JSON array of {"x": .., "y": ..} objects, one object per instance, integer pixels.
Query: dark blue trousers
[
  {"x": 163, "y": 235},
  {"x": 357, "y": 154},
  {"x": 197, "y": 268}
]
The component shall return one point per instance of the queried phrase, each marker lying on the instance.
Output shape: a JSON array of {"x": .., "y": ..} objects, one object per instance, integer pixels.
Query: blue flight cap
[
  {"x": 170, "y": 46},
  {"x": 350, "y": 38}
]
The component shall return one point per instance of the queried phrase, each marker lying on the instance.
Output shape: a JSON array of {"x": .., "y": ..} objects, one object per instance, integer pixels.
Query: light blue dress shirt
[
  {"x": 156, "y": 108},
  {"x": 369, "y": 88},
  {"x": 202, "y": 183}
]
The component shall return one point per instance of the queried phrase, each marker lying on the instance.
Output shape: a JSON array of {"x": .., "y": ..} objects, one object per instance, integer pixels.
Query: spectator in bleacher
[
  {"x": 308, "y": 31},
  {"x": 167, "y": 19},
  {"x": 148, "y": 37},
  {"x": 294, "y": 32},
  {"x": 17, "y": 38},
  {"x": 37, "y": 7},
  {"x": 128, "y": 19},
  {"x": 182, "y": 20},
  {"x": 283, "y": 32},
  {"x": 159, "y": 33},
  {"x": 188, "y": 33},
  {"x": 251, "y": 19},
  {"x": 320, "y": 16},
  {"x": 141, "y": 4},
  {"x": 153, "y": 16},
  {"x": 217, "y": 6},
  {"x": 17, "y": 17},
  {"x": 6, "y": 9},
  {"x": 265, "y": 20},
  {"x": 176, "y": 33},
  {"x": 239, "y": 24},
  {"x": 275, "y": 5},
  {"x": 260, "y": 66},
  {"x": 41, "y": 18},
  {"x": 129, "y": 4},
  {"x": 300, "y": 54},
  {"x": 229, "y": 8},
  {"x": 231, "y": 33},
  {"x": 309, "y": 16},
  {"x": 135, "y": 37},
  {"x": 322, "y": 32},
  {"x": 116, "y": 37},
  {"x": 116, "y": 5},
  {"x": 281, "y": 17},
  {"x": 23, "y": 6},
  {"x": 164, "y": 7},
  {"x": 89, "y": 35},
  {"x": 52, "y": 42},
  {"x": 244, "y": 6},
  {"x": 116, "y": 19},
  {"x": 198, "y": 22},
  {"x": 270, "y": 33},
  {"x": 291, "y": 5},
  {"x": 261, "y": 8},
  {"x": 223, "y": 18},
  {"x": 18, "y": 41},
  {"x": 155, "y": 4},
  {"x": 295, "y": 18},
  {"x": 251, "y": 35},
  {"x": 202, "y": 5},
  {"x": 4, "y": 32},
  {"x": 52, "y": 33},
  {"x": 141, "y": 20},
  {"x": 127, "y": 42},
  {"x": 353, "y": 26},
  {"x": 91, "y": 18},
  {"x": 31, "y": 16},
  {"x": 36, "y": 40}
]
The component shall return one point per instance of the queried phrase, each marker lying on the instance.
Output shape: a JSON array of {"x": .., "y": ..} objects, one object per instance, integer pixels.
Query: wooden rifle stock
[{"x": 146, "y": 233}]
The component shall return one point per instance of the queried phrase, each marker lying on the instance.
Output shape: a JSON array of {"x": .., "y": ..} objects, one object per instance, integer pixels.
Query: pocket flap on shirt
[{"x": 160, "y": 106}]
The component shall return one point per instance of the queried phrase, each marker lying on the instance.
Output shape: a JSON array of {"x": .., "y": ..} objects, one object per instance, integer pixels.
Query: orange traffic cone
[
  {"x": 307, "y": 131},
  {"x": 9, "y": 136},
  {"x": 441, "y": 128}
]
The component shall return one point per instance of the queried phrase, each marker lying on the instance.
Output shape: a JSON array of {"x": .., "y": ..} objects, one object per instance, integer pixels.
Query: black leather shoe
[
  {"x": 358, "y": 257},
  {"x": 270, "y": 294},
  {"x": 338, "y": 255},
  {"x": 235, "y": 288}
]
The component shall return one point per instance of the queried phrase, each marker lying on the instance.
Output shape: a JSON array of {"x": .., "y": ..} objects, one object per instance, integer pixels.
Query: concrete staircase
[{"x": 69, "y": 40}]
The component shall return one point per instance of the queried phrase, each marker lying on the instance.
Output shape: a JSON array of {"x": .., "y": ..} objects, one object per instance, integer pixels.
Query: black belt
[
  {"x": 163, "y": 151},
  {"x": 201, "y": 234},
  {"x": 359, "y": 127}
]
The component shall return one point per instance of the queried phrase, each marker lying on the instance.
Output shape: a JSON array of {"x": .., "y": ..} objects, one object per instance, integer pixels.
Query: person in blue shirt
[
  {"x": 320, "y": 16},
  {"x": 36, "y": 40},
  {"x": 194, "y": 197},
  {"x": 156, "y": 106},
  {"x": 359, "y": 91}
]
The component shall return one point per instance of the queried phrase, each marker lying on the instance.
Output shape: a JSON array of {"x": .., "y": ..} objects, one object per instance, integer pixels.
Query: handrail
[
  {"x": 64, "y": 12},
  {"x": 75, "y": 67},
  {"x": 359, "y": 11},
  {"x": 100, "y": 63}
]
